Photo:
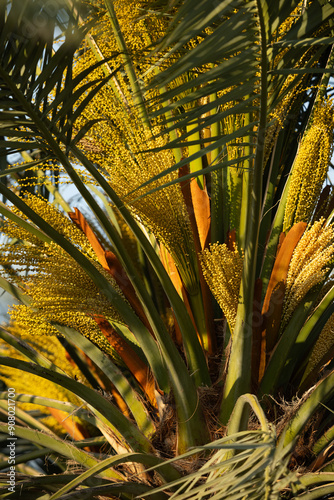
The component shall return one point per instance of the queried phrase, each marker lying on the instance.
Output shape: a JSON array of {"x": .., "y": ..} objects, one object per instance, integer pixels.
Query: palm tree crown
[{"x": 186, "y": 305}]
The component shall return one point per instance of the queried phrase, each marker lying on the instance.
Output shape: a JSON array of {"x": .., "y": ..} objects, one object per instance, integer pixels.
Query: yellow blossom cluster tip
[
  {"x": 55, "y": 218},
  {"x": 309, "y": 264},
  {"x": 310, "y": 167},
  {"x": 222, "y": 270}
]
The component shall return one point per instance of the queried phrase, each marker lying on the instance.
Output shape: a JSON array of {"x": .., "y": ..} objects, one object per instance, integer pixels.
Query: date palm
[{"x": 195, "y": 278}]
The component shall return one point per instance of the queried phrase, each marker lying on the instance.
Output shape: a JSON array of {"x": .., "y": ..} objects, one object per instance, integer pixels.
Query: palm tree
[{"x": 178, "y": 326}]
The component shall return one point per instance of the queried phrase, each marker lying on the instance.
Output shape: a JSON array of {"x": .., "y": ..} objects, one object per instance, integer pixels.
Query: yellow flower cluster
[
  {"x": 164, "y": 212},
  {"x": 289, "y": 21},
  {"x": 324, "y": 343},
  {"x": 60, "y": 290},
  {"x": 123, "y": 148},
  {"x": 310, "y": 167},
  {"x": 287, "y": 97},
  {"x": 51, "y": 348},
  {"x": 54, "y": 218},
  {"x": 309, "y": 265},
  {"x": 279, "y": 114},
  {"x": 222, "y": 270},
  {"x": 135, "y": 26}
]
